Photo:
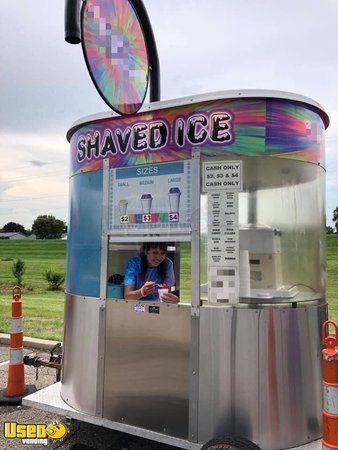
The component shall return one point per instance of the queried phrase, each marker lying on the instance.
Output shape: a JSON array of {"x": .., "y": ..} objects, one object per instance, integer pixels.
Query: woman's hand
[
  {"x": 148, "y": 288},
  {"x": 168, "y": 297}
]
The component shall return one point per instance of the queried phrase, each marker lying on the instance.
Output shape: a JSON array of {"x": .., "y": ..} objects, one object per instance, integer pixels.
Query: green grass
[
  {"x": 42, "y": 312},
  {"x": 185, "y": 273},
  {"x": 332, "y": 274},
  {"x": 39, "y": 256},
  {"x": 43, "y": 309}
]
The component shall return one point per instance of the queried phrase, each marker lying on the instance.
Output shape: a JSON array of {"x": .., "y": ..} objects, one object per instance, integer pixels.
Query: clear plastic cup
[
  {"x": 174, "y": 199},
  {"x": 162, "y": 291},
  {"x": 123, "y": 207},
  {"x": 146, "y": 200}
]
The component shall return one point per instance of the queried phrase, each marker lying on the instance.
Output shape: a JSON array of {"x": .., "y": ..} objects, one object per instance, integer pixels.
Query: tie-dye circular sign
[{"x": 115, "y": 52}]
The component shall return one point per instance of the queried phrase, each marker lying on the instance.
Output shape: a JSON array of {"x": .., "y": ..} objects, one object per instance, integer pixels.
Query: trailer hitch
[{"x": 54, "y": 361}]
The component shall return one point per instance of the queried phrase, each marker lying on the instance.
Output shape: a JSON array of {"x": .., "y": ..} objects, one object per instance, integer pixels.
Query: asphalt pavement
[{"x": 84, "y": 434}]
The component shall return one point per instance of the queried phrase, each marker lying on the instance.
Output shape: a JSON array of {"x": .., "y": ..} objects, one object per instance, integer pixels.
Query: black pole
[
  {"x": 72, "y": 21},
  {"x": 154, "y": 63}
]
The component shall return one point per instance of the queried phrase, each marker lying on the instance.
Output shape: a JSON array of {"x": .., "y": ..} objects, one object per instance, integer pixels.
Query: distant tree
[
  {"x": 48, "y": 227},
  {"x": 12, "y": 227},
  {"x": 335, "y": 218},
  {"x": 329, "y": 230},
  {"x": 18, "y": 270}
]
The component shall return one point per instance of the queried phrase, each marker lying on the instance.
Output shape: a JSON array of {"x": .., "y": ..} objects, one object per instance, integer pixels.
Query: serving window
[{"x": 120, "y": 254}]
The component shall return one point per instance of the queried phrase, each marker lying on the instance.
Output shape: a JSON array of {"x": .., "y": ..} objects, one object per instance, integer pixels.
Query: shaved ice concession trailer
[{"x": 234, "y": 183}]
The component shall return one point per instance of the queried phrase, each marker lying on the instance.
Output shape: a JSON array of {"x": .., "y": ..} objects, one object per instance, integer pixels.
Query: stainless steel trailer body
[
  {"x": 241, "y": 352},
  {"x": 253, "y": 381},
  {"x": 49, "y": 399}
]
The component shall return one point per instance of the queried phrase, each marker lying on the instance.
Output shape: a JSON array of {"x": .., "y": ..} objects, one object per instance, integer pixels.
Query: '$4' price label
[{"x": 173, "y": 217}]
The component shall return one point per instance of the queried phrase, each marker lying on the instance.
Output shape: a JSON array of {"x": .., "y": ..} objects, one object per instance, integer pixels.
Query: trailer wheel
[{"x": 230, "y": 443}]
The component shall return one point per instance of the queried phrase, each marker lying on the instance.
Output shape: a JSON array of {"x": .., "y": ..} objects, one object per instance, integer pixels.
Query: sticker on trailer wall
[{"x": 150, "y": 196}]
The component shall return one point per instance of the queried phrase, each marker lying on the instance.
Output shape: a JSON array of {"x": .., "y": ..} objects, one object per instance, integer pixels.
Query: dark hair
[{"x": 144, "y": 263}]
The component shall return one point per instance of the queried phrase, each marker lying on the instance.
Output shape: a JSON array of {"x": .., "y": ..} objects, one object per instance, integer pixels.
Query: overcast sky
[{"x": 204, "y": 46}]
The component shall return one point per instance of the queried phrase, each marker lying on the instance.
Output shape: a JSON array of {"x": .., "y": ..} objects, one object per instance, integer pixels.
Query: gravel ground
[{"x": 93, "y": 436}]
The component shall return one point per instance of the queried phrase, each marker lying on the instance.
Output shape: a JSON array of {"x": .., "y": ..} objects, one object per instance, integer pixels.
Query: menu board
[
  {"x": 222, "y": 180},
  {"x": 150, "y": 196},
  {"x": 223, "y": 228}
]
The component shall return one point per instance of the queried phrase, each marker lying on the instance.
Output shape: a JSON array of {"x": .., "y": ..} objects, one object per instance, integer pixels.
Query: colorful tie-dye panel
[
  {"x": 251, "y": 127},
  {"x": 115, "y": 51}
]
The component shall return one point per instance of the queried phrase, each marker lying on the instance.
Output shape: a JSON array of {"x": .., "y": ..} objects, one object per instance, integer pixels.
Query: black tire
[
  {"x": 81, "y": 447},
  {"x": 145, "y": 444},
  {"x": 230, "y": 443}
]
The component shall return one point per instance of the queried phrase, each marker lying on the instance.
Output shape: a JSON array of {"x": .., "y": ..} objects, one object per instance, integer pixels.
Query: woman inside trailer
[{"x": 150, "y": 275}]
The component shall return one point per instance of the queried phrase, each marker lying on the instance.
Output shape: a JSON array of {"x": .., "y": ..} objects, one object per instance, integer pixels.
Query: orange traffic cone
[
  {"x": 330, "y": 388},
  {"x": 16, "y": 372}
]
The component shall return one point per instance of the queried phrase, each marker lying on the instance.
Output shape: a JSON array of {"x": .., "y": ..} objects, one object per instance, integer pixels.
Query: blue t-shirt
[{"x": 132, "y": 276}]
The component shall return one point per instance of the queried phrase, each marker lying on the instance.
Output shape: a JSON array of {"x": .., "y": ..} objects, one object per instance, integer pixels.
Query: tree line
[
  {"x": 48, "y": 227},
  {"x": 331, "y": 230},
  {"x": 44, "y": 227}
]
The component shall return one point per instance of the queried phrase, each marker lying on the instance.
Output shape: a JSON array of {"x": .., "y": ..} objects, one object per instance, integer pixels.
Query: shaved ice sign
[
  {"x": 153, "y": 135},
  {"x": 218, "y": 128}
]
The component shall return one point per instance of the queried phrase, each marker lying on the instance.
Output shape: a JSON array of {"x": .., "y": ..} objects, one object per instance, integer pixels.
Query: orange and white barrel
[
  {"x": 330, "y": 388},
  {"x": 16, "y": 375}
]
